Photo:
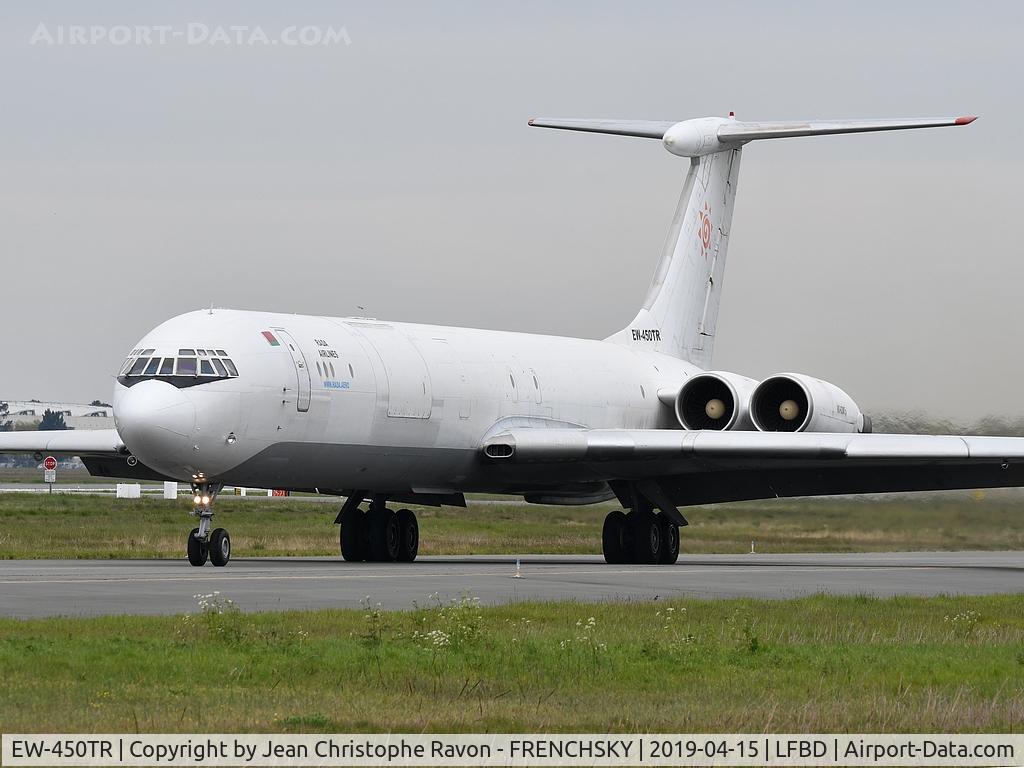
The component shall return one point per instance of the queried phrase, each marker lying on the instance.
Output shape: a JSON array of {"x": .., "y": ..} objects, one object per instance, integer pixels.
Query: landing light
[
  {"x": 196, "y": 500},
  {"x": 206, "y": 500}
]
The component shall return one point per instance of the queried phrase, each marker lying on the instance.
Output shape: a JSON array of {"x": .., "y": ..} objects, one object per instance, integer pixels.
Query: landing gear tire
[
  {"x": 408, "y": 535},
  {"x": 198, "y": 552},
  {"x": 613, "y": 538},
  {"x": 351, "y": 536},
  {"x": 220, "y": 547},
  {"x": 385, "y": 538},
  {"x": 648, "y": 540},
  {"x": 670, "y": 541}
]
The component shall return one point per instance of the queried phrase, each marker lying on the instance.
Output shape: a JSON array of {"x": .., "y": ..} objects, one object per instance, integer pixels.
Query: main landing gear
[
  {"x": 378, "y": 535},
  {"x": 642, "y": 536},
  {"x": 204, "y": 544}
]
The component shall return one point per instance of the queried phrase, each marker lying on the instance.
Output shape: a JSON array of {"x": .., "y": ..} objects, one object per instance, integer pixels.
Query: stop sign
[{"x": 49, "y": 463}]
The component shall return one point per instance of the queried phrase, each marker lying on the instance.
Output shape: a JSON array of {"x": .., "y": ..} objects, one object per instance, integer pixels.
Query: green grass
[
  {"x": 814, "y": 664},
  {"x": 86, "y": 526},
  {"x": 34, "y": 475}
]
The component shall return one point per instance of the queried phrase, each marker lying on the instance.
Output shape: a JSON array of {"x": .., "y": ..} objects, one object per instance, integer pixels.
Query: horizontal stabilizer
[{"x": 707, "y": 135}]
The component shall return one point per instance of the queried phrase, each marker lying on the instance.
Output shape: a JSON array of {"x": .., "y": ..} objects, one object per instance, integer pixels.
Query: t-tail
[{"x": 680, "y": 313}]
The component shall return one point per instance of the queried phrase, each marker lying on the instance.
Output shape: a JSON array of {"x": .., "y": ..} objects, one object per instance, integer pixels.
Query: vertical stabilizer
[{"x": 680, "y": 312}]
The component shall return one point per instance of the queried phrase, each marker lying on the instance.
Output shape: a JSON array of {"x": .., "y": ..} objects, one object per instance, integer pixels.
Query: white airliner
[{"x": 384, "y": 412}]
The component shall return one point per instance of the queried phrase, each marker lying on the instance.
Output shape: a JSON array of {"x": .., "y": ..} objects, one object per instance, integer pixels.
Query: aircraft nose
[{"x": 156, "y": 421}]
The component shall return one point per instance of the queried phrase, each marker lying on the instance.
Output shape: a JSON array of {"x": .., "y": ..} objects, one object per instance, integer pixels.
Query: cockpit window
[
  {"x": 193, "y": 366},
  {"x": 138, "y": 367}
]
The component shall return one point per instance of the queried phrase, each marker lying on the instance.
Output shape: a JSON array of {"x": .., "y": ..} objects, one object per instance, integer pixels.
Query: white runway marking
[{"x": 205, "y": 575}]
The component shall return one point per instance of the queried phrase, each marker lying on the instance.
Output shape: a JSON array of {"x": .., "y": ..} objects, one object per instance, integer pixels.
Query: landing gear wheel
[
  {"x": 408, "y": 536},
  {"x": 647, "y": 538},
  {"x": 613, "y": 537},
  {"x": 220, "y": 547},
  {"x": 351, "y": 535},
  {"x": 384, "y": 536},
  {"x": 670, "y": 541},
  {"x": 198, "y": 552}
]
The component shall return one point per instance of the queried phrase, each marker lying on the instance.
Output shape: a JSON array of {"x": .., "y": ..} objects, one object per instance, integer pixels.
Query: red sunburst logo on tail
[{"x": 704, "y": 229}]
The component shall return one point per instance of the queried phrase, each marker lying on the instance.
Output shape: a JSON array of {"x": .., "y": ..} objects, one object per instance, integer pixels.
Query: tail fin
[{"x": 680, "y": 312}]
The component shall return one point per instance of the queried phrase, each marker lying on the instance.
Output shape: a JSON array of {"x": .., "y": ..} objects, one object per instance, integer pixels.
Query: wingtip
[
  {"x": 530, "y": 121},
  {"x": 966, "y": 120}
]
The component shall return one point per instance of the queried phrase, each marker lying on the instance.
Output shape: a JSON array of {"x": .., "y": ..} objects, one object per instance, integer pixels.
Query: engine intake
[
  {"x": 715, "y": 400},
  {"x": 793, "y": 402}
]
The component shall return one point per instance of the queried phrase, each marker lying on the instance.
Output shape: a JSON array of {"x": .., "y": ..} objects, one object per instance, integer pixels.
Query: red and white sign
[{"x": 49, "y": 463}]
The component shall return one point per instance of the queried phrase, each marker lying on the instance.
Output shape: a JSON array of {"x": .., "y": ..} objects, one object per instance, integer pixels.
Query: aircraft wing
[
  {"x": 67, "y": 442},
  {"x": 684, "y": 467}
]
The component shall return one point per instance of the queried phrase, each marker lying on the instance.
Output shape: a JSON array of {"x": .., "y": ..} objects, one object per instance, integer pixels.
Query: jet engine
[
  {"x": 715, "y": 400},
  {"x": 793, "y": 402}
]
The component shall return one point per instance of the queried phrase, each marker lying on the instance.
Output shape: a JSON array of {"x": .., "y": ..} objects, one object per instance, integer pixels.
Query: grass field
[
  {"x": 86, "y": 526},
  {"x": 9, "y": 475},
  {"x": 815, "y": 664}
]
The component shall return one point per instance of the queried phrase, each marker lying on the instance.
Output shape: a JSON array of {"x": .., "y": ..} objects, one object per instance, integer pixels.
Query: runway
[{"x": 35, "y": 588}]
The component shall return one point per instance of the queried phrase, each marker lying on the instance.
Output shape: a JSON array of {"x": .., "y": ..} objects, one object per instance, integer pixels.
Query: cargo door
[{"x": 408, "y": 380}]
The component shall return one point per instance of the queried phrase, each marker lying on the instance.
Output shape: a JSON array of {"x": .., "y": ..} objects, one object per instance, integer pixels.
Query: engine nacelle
[
  {"x": 792, "y": 402},
  {"x": 715, "y": 400}
]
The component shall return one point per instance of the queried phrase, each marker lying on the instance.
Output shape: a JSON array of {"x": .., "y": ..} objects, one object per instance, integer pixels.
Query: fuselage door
[{"x": 301, "y": 369}]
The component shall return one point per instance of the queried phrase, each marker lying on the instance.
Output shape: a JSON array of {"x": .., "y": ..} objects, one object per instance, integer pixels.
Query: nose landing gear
[{"x": 204, "y": 544}]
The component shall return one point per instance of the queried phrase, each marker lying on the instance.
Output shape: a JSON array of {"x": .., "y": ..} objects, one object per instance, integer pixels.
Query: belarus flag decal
[{"x": 271, "y": 339}]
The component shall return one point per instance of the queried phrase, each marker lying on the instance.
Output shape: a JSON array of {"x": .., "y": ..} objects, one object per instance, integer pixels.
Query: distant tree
[
  {"x": 52, "y": 420},
  {"x": 914, "y": 423},
  {"x": 5, "y": 423},
  {"x": 101, "y": 404}
]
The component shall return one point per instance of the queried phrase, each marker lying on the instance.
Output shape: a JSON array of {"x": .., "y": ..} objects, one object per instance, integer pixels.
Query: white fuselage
[{"x": 393, "y": 408}]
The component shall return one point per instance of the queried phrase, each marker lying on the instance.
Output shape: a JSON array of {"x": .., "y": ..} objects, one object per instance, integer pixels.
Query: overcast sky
[{"x": 396, "y": 171}]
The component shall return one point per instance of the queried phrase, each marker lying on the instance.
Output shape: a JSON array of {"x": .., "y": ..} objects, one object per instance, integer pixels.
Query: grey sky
[{"x": 398, "y": 173}]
